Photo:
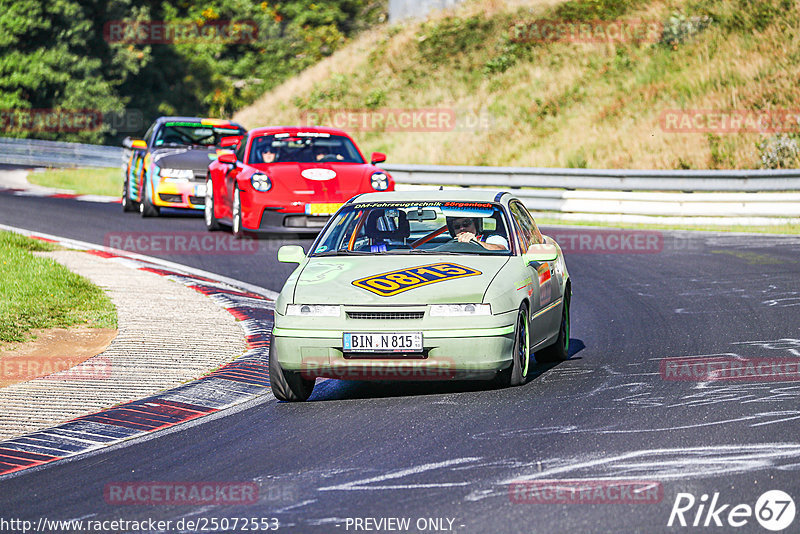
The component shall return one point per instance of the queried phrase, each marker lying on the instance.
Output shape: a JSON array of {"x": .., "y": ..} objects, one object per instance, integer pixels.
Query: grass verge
[
  {"x": 105, "y": 182},
  {"x": 38, "y": 292}
]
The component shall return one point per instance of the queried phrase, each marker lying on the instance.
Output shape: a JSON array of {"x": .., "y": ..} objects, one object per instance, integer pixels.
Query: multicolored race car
[
  {"x": 423, "y": 285},
  {"x": 167, "y": 169},
  {"x": 288, "y": 179}
]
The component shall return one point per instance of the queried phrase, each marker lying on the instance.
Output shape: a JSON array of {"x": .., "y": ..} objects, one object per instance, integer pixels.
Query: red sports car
[{"x": 288, "y": 179}]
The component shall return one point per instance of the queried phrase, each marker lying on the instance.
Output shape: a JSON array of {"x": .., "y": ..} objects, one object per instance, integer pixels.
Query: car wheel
[
  {"x": 517, "y": 373},
  {"x": 127, "y": 204},
  {"x": 287, "y": 385},
  {"x": 238, "y": 230},
  {"x": 146, "y": 208},
  {"x": 211, "y": 221},
  {"x": 558, "y": 351}
]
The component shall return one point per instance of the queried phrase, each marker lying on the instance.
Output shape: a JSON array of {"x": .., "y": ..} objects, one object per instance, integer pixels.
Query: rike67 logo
[{"x": 774, "y": 510}]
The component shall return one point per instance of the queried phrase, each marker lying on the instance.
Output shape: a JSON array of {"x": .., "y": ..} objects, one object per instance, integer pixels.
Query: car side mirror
[
  {"x": 129, "y": 142},
  {"x": 377, "y": 157},
  {"x": 291, "y": 254},
  {"x": 229, "y": 141},
  {"x": 227, "y": 157},
  {"x": 540, "y": 252}
]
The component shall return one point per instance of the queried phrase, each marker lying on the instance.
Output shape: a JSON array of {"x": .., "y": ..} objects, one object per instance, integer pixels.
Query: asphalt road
[{"x": 454, "y": 455}]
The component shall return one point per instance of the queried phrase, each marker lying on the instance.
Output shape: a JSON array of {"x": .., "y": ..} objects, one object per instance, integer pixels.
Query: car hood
[
  {"x": 196, "y": 159},
  {"x": 329, "y": 280},
  {"x": 334, "y": 182}
]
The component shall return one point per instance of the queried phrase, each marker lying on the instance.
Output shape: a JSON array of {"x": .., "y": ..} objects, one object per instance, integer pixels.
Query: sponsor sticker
[
  {"x": 544, "y": 283},
  {"x": 394, "y": 282},
  {"x": 319, "y": 175}
]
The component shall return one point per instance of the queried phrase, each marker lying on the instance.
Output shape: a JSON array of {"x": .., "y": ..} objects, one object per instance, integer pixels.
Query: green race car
[{"x": 423, "y": 285}]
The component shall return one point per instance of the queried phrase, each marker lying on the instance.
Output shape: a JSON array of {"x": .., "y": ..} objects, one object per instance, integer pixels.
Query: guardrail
[
  {"x": 608, "y": 179},
  {"x": 38, "y": 153},
  {"x": 729, "y": 197}
]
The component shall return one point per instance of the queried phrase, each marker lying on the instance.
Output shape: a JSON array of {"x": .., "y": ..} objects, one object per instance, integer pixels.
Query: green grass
[
  {"x": 106, "y": 182},
  {"x": 776, "y": 229},
  {"x": 38, "y": 292}
]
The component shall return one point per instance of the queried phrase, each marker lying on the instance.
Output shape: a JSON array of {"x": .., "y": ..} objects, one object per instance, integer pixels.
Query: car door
[
  {"x": 136, "y": 174},
  {"x": 225, "y": 210},
  {"x": 545, "y": 318}
]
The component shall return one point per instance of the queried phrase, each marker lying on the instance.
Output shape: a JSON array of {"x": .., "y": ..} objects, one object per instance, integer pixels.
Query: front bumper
[
  {"x": 278, "y": 221},
  {"x": 187, "y": 195},
  {"x": 447, "y": 355}
]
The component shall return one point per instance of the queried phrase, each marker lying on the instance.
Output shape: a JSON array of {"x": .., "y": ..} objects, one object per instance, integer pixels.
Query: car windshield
[
  {"x": 194, "y": 133},
  {"x": 303, "y": 147},
  {"x": 429, "y": 227}
]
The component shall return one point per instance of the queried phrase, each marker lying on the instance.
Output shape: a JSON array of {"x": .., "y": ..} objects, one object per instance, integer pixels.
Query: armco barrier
[
  {"x": 729, "y": 197},
  {"x": 608, "y": 179},
  {"x": 38, "y": 153}
]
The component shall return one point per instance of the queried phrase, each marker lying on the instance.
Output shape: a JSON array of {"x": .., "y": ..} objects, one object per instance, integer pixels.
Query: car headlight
[
  {"x": 312, "y": 310},
  {"x": 457, "y": 310},
  {"x": 176, "y": 175},
  {"x": 261, "y": 182},
  {"x": 379, "y": 180}
]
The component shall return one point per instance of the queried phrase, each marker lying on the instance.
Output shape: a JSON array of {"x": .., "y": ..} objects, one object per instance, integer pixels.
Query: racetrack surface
[{"x": 451, "y": 450}]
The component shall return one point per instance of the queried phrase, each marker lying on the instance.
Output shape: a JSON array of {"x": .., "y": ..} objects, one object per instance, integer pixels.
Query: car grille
[
  {"x": 175, "y": 199},
  {"x": 385, "y": 315},
  {"x": 305, "y": 221},
  {"x": 386, "y": 355},
  {"x": 197, "y": 200}
]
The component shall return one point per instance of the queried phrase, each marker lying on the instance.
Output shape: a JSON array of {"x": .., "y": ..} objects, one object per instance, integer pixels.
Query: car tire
[
  {"x": 236, "y": 216},
  {"x": 287, "y": 386},
  {"x": 211, "y": 221},
  {"x": 146, "y": 208},
  {"x": 128, "y": 205},
  {"x": 516, "y": 374},
  {"x": 558, "y": 351}
]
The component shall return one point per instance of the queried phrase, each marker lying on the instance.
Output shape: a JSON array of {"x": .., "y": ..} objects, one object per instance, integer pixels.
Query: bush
[
  {"x": 780, "y": 151},
  {"x": 679, "y": 28}
]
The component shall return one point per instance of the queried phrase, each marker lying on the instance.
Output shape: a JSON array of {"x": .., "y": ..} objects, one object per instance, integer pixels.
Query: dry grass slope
[{"x": 561, "y": 104}]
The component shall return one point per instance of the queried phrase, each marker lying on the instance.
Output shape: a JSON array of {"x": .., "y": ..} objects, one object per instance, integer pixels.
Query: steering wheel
[
  {"x": 472, "y": 241},
  {"x": 454, "y": 245}
]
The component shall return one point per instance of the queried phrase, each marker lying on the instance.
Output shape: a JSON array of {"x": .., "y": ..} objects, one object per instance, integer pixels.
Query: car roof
[
  {"x": 466, "y": 195},
  {"x": 292, "y": 129},
  {"x": 222, "y": 122}
]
